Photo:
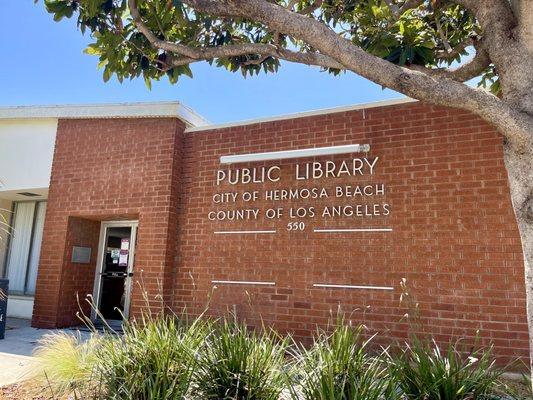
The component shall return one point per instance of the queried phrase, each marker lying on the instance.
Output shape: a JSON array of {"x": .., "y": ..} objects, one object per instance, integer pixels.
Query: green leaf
[
  {"x": 93, "y": 49},
  {"x": 147, "y": 81},
  {"x": 187, "y": 71},
  {"x": 107, "y": 73},
  {"x": 102, "y": 63},
  {"x": 401, "y": 27}
]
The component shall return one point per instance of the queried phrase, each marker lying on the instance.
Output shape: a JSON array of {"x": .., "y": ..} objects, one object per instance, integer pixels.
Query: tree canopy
[{"x": 432, "y": 34}]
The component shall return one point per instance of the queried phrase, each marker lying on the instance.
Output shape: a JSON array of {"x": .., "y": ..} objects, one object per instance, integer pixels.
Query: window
[
  {"x": 6, "y": 209},
  {"x": 25, "y": 247}
]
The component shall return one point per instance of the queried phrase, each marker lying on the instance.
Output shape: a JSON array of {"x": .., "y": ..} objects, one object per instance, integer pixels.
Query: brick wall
[
  {"x": 454, "y": 239},
  {"x": 77, "y": 280},
  {"x": 112, "y": 169}
]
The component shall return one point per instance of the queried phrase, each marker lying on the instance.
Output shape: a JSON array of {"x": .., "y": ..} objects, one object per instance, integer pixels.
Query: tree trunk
[
  {"x": 523, "y": 11},
  {"x": 520, "y": 171}
]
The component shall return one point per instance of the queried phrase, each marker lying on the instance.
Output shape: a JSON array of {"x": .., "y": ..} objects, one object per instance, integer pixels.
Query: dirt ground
[
  {"x": 19, "y": 392},
  {"x": 26, "y": 392}
]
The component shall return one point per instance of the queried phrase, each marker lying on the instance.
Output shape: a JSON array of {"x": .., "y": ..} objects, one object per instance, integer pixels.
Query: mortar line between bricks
[
  {"x": 317, "y": 230},
  {"x": 245, "y": 283}
]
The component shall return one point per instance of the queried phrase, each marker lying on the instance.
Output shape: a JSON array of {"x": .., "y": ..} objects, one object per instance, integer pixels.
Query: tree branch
[
  {"x": 398, "y": 11},
  {"x": 496, "y": 20},
  {"x": 311, "y": 8},
  {"x": 153, "y": 39},
  {"x": 291, "y": 4},
  {"x": 410, "y": 4},
  {"x": 464, "y": 72},
  {"x": 443, "y": 36},
  {"x": 451, "y": 53},
  {"x": 312, "y": 59},
  {"x": 504, "y": 36},
  {"x": 394, "y": 9},
  {"x": 523, "y": 12},
  {"x": 193, "y": 54},
  {"x": 422, "y": 86}
]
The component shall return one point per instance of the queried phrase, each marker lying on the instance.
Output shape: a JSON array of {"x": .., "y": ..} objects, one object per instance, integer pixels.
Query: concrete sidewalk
[{"x": 17, "y": 348}]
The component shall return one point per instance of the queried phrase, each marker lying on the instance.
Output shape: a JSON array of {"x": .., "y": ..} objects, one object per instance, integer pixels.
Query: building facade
[{"x": 377, "y": 211}]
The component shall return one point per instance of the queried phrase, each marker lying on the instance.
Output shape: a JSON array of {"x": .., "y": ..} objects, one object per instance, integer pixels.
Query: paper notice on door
[
  {"x": 123, "y": 258},
  {"x": 115, "y": 255},
  {"x": 125, "y": 244}
]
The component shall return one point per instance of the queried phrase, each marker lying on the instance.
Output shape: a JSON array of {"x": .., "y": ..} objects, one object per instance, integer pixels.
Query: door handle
[
  {"x": 113, "y": 274},
  {"x": 116, "y": 274}
]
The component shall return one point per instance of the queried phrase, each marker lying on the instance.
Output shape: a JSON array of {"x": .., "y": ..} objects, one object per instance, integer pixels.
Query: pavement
[{"x": 17, "y": 348}]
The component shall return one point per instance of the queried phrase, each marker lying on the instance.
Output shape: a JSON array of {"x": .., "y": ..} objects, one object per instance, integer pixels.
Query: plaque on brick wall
[{"x": 81, "y": 255}]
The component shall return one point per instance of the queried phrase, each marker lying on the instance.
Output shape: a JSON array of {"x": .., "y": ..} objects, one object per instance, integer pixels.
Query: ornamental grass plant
[
  {"x": 340, "y": 366},
  {"x": 425, "y": 371},
  {"x": 155, "y": 359},
  {"x": 66, "y": 363},
  {"x": 164, "y": 357},
  {"x": 236, "y": 363}
]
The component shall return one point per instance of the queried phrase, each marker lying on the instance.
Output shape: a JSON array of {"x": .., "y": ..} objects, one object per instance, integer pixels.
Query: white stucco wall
[
  {"x": 20, "y": 307},
  {"x": 26, "y": 152}
]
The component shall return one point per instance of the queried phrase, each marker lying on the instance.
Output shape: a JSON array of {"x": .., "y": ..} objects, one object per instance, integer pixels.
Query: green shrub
[
  {"x": 236, "y": 364},
  {"x": 339, "y": 367},
  {"x": 425, "y": 372},
  {"x": 154, "y": 360}
]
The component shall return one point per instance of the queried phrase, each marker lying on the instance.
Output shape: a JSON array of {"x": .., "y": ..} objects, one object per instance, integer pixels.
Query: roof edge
[
  {"x": 304, "y": 114},
  {"x": 171, "y": 109}
]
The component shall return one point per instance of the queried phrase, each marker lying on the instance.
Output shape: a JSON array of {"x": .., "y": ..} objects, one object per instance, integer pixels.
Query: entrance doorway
[{"x": 112, "y": 286}]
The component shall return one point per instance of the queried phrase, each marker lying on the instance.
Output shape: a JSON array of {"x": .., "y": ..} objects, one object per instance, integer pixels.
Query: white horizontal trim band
[
  {"x": 162, "y": 109},
  {"x": 353, "y": 230},
  {"x": 326, "y": 285},
  {"x": 300, "y": 153},
  {"x": 245, "y": 283},
  {"x": 243, "y": 232}
]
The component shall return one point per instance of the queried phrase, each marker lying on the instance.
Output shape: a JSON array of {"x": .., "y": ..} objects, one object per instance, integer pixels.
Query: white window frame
[{"x": 31, "y": 248}]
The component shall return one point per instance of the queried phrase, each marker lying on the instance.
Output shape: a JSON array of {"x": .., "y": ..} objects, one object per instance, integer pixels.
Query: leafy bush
[
  {"x": 236, "y": 363},
  {"x": 154, "y": 360},
  {"x": 339, "y": 367},
  {"x": 425, "y": 372}
]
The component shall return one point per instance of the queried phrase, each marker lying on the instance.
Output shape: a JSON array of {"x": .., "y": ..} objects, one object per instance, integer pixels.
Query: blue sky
[{"x": 44, "y": 63}]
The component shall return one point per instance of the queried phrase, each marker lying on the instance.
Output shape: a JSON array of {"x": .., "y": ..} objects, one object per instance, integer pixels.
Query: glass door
[{"x": 114, "y": 275}]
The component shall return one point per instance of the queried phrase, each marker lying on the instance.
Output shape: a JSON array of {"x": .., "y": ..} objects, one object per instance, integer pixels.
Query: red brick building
[{"x": 285, "y": 221}]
